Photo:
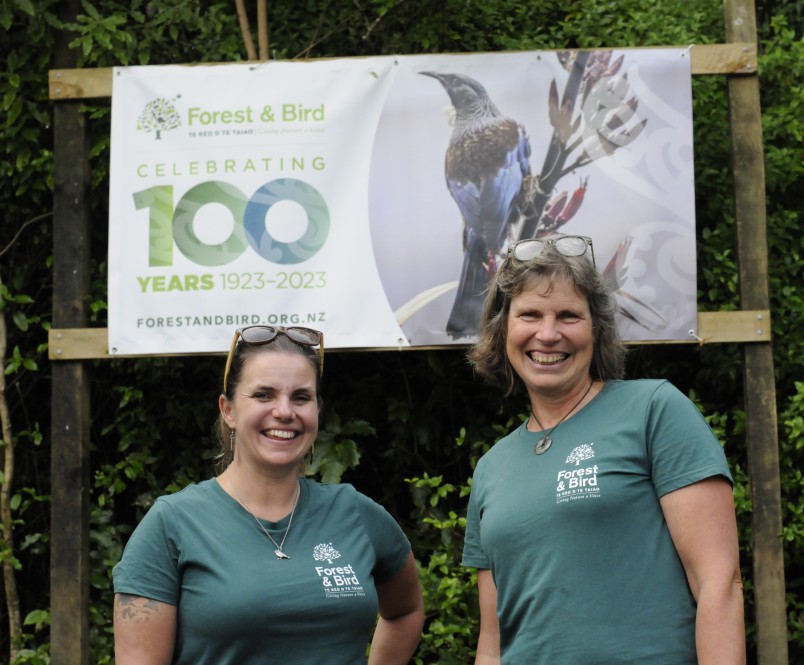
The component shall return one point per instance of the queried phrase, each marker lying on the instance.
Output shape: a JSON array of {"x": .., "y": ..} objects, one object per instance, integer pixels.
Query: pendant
[
  {"x": 280, "y": 554},
  {"x": 543, "y": 445}
]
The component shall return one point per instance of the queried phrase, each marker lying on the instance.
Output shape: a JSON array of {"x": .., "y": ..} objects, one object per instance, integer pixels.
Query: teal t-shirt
[
  {"x": 585, "y": 568},
  {"x": 240, "y": 605}
]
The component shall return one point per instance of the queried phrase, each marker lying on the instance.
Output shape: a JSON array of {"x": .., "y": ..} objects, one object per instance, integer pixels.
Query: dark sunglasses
[
  {"x": 267, "y": 334},
  {"x": 525, "y": 250}
]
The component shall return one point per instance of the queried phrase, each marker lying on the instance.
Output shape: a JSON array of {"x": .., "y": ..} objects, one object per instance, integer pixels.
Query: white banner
[{"x": 354, "y": 196}]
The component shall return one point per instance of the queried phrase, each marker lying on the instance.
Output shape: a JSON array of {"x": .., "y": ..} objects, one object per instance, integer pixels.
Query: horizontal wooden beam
[
  {"x": 713, "y": 328},
  {"x": 77, "y": 343},
  {"x": 738, "y": 58},
  {"x": 706, "y": 59},
  {"x": 727, "y": 327},
  {"x": 80, "y": 83}
]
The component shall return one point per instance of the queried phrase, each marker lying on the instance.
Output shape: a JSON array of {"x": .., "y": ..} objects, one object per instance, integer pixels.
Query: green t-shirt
[
  {"x": 585, "y": 568},
  {"x": 240, "y": 605}
]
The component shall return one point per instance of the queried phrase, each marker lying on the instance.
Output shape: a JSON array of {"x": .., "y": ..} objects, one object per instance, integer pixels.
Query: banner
[{"x": 373, "y": 198}]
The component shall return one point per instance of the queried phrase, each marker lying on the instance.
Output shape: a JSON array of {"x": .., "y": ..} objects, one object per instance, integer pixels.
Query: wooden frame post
[
  {"x": 758, "y": 374},
  {"x": 70, "y": 403}
]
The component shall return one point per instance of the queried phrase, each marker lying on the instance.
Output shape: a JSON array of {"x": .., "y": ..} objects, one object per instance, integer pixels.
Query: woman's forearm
[
  {"x": 720, "y": 626},
  {"x": 395, "y": 640}
]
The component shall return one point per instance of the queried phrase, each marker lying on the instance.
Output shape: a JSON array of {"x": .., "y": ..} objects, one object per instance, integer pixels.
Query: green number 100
[{"x": 168, "y": 225}]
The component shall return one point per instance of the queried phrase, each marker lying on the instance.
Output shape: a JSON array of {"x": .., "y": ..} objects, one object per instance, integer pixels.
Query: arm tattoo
[{"x": 135, "y": 608}]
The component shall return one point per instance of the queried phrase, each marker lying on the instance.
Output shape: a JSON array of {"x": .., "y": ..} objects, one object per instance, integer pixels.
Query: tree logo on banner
[{"x": 159, "y": 115}]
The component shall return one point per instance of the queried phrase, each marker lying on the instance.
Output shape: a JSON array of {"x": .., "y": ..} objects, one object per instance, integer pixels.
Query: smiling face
[
  {"x": 550, "y": 339},
  {"x": 274, "y": 411}
]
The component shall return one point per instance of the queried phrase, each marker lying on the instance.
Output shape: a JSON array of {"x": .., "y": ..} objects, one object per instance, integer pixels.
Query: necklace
[
  {"x": 543, "y": 444},
  {"x": 278, "y": 551}
]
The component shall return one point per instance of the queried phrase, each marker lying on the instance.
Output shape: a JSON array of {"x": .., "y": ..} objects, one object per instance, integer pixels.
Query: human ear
[{"x": 225, "y": 407}]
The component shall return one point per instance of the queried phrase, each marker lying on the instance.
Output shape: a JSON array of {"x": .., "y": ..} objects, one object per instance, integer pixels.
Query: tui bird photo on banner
[
  {"x": 487, "y": 169},
  {"x": 496, "y": 149}
]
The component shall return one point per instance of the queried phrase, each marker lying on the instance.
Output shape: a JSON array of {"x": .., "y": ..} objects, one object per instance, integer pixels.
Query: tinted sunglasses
[
  {"x": 267, "y": 334},
  {"x": 525, "y": 250}
]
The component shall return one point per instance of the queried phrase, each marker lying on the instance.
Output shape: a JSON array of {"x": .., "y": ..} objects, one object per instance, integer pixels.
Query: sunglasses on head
[
  {"x": 267, "y": 334},
  {"x": 525, "y": 250}
]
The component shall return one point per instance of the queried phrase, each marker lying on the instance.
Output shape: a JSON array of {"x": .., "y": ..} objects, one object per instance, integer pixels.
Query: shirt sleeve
[
  {"x": 473, "y": 554},
  {"x": 149, "y": 566},
  {"x": 391, "y": 545},
  {"x": 682, "y": 447}
]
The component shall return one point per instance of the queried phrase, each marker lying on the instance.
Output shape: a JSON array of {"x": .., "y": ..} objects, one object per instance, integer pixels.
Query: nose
[
  {"x": 547, "y": 331},
  {"x": 283, "y": 409}
]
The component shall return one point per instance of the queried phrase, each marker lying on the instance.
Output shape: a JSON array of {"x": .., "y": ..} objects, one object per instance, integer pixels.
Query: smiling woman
[
  {"x": 247, "y": 566},
  {"x": 610, "y": 507}
]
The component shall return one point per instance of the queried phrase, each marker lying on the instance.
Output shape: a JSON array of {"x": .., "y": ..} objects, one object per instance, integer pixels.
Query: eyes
[
  {"x": 546, "y": 303},
  {"x": 533, "y": 316},
  {"x": 300, "y": 397}
]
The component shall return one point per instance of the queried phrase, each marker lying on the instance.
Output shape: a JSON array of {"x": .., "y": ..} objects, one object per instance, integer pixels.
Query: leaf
[
  {"x": 20, "y": 320},
  {"x": 27, "y": 6},
  {"x": 37, "y": 618},
  {"x": 5, "y": 17}
]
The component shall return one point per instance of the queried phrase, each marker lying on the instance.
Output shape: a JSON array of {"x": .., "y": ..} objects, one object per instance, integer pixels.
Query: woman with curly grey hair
[{"x": 603, "y": 527}]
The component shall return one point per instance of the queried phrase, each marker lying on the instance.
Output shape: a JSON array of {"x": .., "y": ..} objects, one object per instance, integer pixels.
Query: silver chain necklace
[
  {"x": 278, "y": 551},
  {"x": 543, "y": 444}
]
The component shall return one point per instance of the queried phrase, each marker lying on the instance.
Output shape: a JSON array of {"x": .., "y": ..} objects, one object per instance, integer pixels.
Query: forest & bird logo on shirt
[
  {"x": 577, "y": 481},
  {"x": 338, "y": 581}
]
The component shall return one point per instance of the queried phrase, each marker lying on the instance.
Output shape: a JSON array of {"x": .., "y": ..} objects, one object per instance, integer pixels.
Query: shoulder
[
  {"x": 340, "y": 495},
  {"x": 661, "y": 392},
  {"x": 647, "y": 387},
  {"x": 637, "y": 393},
  {"x": 343, "y": 497},
  {"x": 190, "y": 497},
  {"x": 503, "y": 447},
  {"x": 343, "y": 493},
  {"x": 192, "y": 492},
  {"x": 329, "y": 491},
  {"x": 655, "y": 398}
]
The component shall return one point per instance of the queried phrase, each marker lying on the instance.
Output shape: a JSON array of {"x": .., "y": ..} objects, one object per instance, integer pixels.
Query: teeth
[
  {"x": 547, "y": 359},
  {"x": 282, "y": 434}
]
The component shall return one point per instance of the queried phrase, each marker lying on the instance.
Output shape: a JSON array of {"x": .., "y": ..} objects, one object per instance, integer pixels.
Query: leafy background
[{"x": 405, "y": 428}]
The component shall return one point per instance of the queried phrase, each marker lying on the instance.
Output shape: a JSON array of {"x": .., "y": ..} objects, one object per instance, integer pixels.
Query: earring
[{"x": 229, "y": 455}]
